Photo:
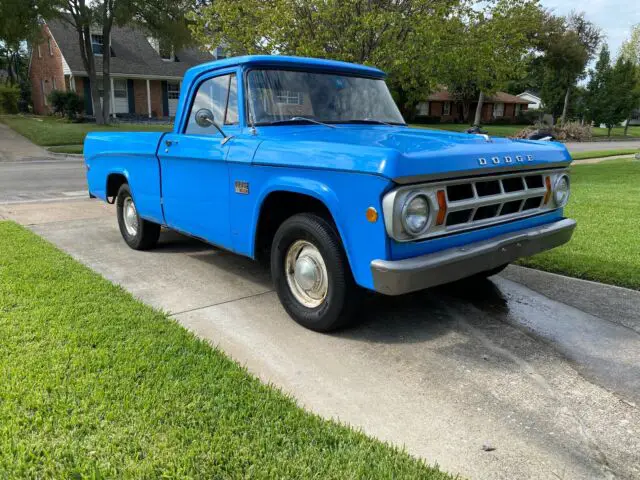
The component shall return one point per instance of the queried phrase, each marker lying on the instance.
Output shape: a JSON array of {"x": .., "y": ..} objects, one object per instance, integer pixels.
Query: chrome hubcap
[
  {"x": 306, "y": 274},
  {"x": 130, "y": 216}
]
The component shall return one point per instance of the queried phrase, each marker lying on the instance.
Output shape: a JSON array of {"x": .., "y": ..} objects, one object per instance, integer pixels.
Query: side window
[{"x": 220, "y": 96}]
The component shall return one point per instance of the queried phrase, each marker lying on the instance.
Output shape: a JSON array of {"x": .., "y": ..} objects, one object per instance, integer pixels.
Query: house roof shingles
[
  {"x": 132, "y": 53},
  {"x": 500, "y": 97}
]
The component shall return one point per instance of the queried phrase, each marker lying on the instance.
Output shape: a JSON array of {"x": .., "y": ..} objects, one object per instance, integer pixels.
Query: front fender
[{"x": 346, "y": 195}]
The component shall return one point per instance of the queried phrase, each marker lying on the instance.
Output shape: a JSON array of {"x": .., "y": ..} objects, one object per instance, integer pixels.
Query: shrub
[
  {"x": 569, "y": 131},
  {"x": 528, "y": 117},
  {"x": 9, "y": 99},
  {"x": 68, "y": 104}
]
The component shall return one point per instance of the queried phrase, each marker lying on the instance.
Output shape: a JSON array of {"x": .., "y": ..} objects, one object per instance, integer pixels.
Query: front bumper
[{"x": 395, "y": 277}]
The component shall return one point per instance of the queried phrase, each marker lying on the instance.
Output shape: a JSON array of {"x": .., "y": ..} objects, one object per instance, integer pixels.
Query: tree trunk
[
  {"x": 107, "y": 21},
  {"x": 565, "y": 108},
  {"x": 86, "y": 52},
  {"x": 478, "y": 117},
  {"x": 626, "y": 125}
]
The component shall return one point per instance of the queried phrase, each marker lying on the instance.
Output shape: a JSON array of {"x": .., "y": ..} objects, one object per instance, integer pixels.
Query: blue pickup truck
[{"x": 308, "y": 165}]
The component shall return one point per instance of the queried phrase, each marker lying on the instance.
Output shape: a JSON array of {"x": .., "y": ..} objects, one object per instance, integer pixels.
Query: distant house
[
  {"x": 533, "y": 98},
  {"x": 442, "y": 105},
  {"x": 145, "y": 74}
]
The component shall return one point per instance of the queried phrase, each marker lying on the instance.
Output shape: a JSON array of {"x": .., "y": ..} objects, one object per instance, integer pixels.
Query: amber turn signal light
[
  {"x": 442, "y": 207},
  {"x": 547, "y": 196},
  {"x": 372, "y": 214}
]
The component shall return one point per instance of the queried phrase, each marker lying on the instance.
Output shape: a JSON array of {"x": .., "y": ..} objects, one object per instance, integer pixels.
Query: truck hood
[{"x": 400, "y": 153}]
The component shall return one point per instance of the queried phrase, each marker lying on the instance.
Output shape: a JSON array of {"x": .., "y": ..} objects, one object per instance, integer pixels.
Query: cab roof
[{"x": 285, "y": 62}]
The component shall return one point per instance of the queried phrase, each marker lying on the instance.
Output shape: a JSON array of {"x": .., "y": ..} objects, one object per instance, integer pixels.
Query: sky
[{"x": 614, "y": 17}]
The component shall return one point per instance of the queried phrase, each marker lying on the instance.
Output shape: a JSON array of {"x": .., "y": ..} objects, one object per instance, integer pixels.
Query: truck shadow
[{"x": 415, "y": 317}]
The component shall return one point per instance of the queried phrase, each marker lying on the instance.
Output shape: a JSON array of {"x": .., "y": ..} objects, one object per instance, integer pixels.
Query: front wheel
[
  {"x": 311, "y": 273},
  {"x": 138, "y": 233}
]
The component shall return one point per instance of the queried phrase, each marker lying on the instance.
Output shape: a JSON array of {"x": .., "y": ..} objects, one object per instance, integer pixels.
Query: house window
[
  {"x": 289, "y": 98},
  {"x": 53, "y": 81},
  {"x": 50, "y": 47},
  {"x": 97, "y": 44},
  {"x": 423, "y": 109},
  {"x": 119, "y": 88},
  {"x": 446, "y": 109},
  {"x": 173, "y": 90},
  {"x": 498, "y": 110},
  {"x": 518, "y": 109}
]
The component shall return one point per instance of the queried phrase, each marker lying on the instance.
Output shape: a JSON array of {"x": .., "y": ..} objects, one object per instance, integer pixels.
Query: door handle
[{"x": 168, "y": 143}]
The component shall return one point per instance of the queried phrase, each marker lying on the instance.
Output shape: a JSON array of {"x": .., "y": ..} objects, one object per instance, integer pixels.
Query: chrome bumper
[{"x": 395, "y": 277}]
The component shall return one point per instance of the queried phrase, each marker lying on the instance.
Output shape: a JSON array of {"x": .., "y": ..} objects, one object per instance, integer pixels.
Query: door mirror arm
[{"x": 204, "y": 118}]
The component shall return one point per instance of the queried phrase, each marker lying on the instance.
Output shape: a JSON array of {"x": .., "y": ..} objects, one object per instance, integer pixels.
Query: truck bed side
[{"x": 131, "y": 155}]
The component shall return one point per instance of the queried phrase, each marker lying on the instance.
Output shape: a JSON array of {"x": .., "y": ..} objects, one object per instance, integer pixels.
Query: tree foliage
[
  {"x": 492, "y": 44},
  {"x": 563, "y": 48},
  {"x": 411, "y": 39},
  {"x": 611, "y": 92}
]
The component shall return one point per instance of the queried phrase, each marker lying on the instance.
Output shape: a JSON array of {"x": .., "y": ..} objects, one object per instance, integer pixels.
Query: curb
[
  {"x": 581, "y": 280},
  {"x": 65, "y": 156}
]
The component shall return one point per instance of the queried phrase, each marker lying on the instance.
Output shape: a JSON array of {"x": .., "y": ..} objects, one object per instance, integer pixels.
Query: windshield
[{"x": 281, "y": 96}]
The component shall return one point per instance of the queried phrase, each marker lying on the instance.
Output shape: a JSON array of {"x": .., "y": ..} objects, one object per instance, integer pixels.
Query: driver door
[{"x": 195, "y": 175}]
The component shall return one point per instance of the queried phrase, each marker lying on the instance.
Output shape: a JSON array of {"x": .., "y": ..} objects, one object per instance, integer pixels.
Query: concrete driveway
[{"x": 542, "y": 368}]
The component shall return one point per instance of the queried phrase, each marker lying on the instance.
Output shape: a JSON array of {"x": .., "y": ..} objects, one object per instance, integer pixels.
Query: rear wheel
[
  {"x": 138, "y": 233},
  {"x": 311, "y": 273}
]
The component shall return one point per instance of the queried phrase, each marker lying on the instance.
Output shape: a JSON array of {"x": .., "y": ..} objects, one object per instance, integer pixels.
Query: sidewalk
[{"x": 14, "y": 147}]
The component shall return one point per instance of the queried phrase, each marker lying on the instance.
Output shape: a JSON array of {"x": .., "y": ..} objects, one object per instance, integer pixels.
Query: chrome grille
[
  {"x": 479, "y": 201},
  {"x": 476, "y": 202}
]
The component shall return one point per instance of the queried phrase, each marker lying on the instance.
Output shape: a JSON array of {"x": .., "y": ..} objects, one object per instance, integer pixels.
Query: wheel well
[
  {"x": 276, "y": 208},
  {"x": 114, "y": 182}
]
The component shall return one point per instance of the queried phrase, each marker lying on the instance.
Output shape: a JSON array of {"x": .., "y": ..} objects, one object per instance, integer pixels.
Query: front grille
[
  {"x": 490, "y": 199},
  {"x": 473, "y": 202}
]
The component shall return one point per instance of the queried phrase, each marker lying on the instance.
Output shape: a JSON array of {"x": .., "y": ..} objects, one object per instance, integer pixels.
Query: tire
[
  {"x": 146, "y": 233},
  {"x": 306, "y": 232},
  {"x": 492, "y": 272}
]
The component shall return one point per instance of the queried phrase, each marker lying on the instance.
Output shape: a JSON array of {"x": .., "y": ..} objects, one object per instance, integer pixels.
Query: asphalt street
[{"x": 543, "y": 368}]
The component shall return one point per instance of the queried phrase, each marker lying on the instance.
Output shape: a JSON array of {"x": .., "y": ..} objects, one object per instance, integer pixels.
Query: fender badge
[{"x": 242, "y": 187}]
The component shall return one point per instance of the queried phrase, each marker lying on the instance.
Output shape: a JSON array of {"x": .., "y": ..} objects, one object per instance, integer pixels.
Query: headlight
[
  {"x": 415, "y": 214},
  {"x": 561, "y": 191}
]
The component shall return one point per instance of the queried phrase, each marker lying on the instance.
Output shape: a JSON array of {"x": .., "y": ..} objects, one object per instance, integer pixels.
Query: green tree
[
  {"x": 162, "y": 18},
  {"x": 563, "y": 49},
  {"x": 609, "y": 87},
  {"x": 630, "y": 51},
  {"x": 491, "y": 49},
  {"x": 18, "y": 23},
  {"x": 409, "y": 39}
]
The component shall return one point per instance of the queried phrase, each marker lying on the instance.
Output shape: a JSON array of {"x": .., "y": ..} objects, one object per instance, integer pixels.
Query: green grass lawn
[
  {"x": 605, "y": 200},
  {"x": 49, "y": 131},
  {"x": 510, "y": 130},
  {"x": 604, "y": 153},
  {"x": 94, "y": 384}
]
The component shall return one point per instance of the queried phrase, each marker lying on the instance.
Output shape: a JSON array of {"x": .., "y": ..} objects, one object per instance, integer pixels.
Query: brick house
[
  {"x": 145, "y": 75},
  {"x": 501, "y": 106}
]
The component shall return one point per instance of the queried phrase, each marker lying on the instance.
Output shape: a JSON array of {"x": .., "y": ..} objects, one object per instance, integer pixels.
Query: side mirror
[{"x": 204, "y": 119}]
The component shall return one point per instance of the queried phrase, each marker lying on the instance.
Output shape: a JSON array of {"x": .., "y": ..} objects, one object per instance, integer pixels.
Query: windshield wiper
[
  {"x": 371, "y": 121},
  {"x": 300, "y": 119}
]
